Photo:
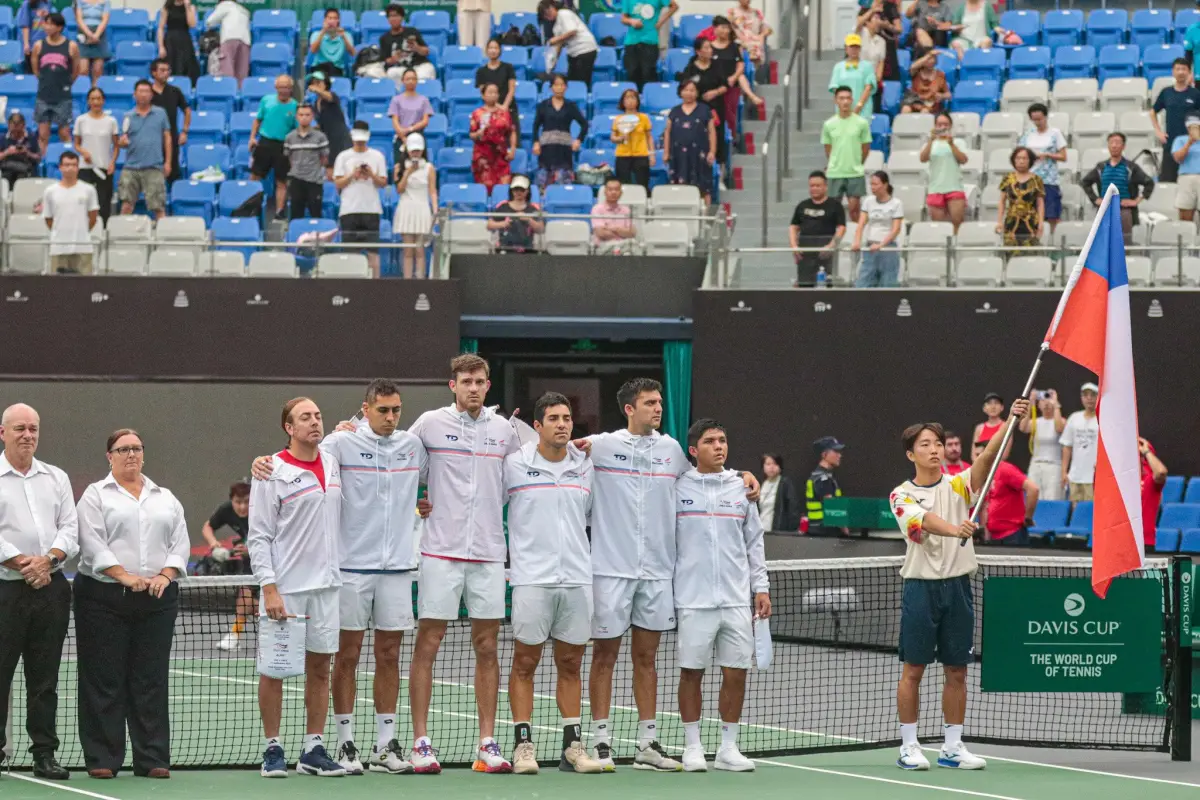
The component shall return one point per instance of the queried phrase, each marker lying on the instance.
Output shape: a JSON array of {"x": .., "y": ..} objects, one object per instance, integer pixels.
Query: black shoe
[{"x": 47, "y": 767}]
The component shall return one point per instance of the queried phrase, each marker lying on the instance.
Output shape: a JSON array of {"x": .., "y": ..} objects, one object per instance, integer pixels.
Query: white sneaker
[
  {"x": 653, "y": 757},
  {"x": 731, "y": 759},
  {"x": 348, "y": 760},
  {"x": 525, "y": 759},
  {"x": 693, "y": 758},
  {"x": 424, "y": 760},
  {"x": 576, "y": 759},
  {"x": 390, "y": 759},
  {"x": 488, "y": 758},
  {"x": 959, "y": 757},
  {"x": 603, "y": 753},
  {"x": 230, "y": 641},
  {"x": 911, "y": 757}
]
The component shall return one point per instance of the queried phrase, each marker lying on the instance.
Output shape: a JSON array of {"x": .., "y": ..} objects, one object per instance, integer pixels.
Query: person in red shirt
[
  {"x": 1010, "y": 503},
  {"x": 1154, "y": 476},
  {"x": 953, "y": 463}
]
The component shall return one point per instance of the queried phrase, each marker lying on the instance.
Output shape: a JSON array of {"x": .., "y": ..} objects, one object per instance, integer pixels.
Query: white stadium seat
[
  {"x": 928, "y": 267},
  {"x": 1018, "y": 95},
  {"x": 225, "y": 263},
  {"x": 1075, "y": 94},
  {"x": 272, "y": 264},
  {"x": 568, "y": 237},
  {"x": 27, "y": 249},
  {"x": 1167, "y": 271},
  {"x": 1124, "y": 94},
  {"x": 27, "y": 194},
  {"x": 666, "y": 238},
  {"x": 125, "y": 260},
  {"x": 979, "y": 271},
  {"x": 468, "y": 236},
  {"x": 343, "y": 265},
  {"x": 909, "y": 131},
  {"x": 172, "y": 263},
  {"x": 1030, "y": 271},
  {"x": 905, "y": 167},
  {"x": 1001, "y": 129},
  {"x": 1090, "y": 129}
]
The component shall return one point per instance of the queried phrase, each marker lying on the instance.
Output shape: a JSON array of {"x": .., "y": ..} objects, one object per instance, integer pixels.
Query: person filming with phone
[
  {"x": 1045, "y": 426},
  {"x": 946, "y": 197}
]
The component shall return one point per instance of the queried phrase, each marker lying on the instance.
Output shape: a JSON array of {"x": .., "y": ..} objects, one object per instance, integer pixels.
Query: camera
[{"x": 1044, "y": 395}]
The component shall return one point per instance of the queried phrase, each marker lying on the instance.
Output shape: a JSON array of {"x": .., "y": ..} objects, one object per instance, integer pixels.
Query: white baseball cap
[
  {"x": 359, "y": 135},
  {"x": 1089, "y": 387},
  {"x": 415, "y": 141}
]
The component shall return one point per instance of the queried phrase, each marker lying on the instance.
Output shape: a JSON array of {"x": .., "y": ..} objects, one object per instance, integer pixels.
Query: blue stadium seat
[
  {"x": 202, "y": 156},
  {"x": 606, "y": 68},
  {"x": 193, "y": 199},
  {"x": 569, "y": 199},
  {"x": 464, "y": 196},
  {"x": 461, "y": 95},
  {"x": 7, "y": 24},
  {"x": 677, "y": 60},
  {"x": 21, "y": 90},
  {"x": 349, "y": 20},
  {"x": 461, "y": 62},
  {"x": 518, "y": 20},
  {"x": 525, "y": 98},
  {"x": 1118, "y": 61},
  {"x": 240, "y": 125},
  {"x": 598, "y": 157},
  {"x": 54, "y": 151},
  {"x": 1150, "y": 26},
  {"x": 128, "y": 25},
  {"x": 980, "y": 97},
  {"x": 1184, "y": 18},
  {"x": 948, "y": 63},
  {"x": 79, "y": 91},
  {"x": 270, "y": 59},
  {"x": 434, "y": 26},
  {"x": 10, "y": 50},
  {"x": 1193, "y": 490},
  {"x": 521, "y": 164},
  {"x": 233, "y": 193},
  {"x": 454, "y": 165},
  {"x": 459, "y": 133},
  {"x": 118, "y": 93},
  {"x": 278, "y": 25},
  {"x": 216, "y": 93},
  {"x": 658, "y": 98},
  {"x": 881, "y": 133},
  {"x": 1026, "y": 24},
  {"x": 1166, "y": 541},
  {"x": 1179, "y": 515},
  {"x": 373, "y": 24},
  {"x": 435, "y": 135},
  {"x": 600, "y": 131},
  {"x": 330, "y": 201},
  {"x": 892, "y": 93},
  {"x": 537, "y": 58},
  {"x": 1028, "y": 63},
  {"x": 607, "y": 26},
  {"x": 433, "y": 90},
  {"x": 577, "y": 93},
  {"x": 241, "y": 162},
  {"x": 688, "y": 27},
  {"x": 1157, "y": 60},
  {"x": 373, "y": 95},
  {"x": 1189, "y": 541},
  {"x": 382, "y": 132},
  {"x": 1062, "y": 28},
  {"x": 1081, "y": 522},
  {"x": 208, "y": 127},
  {"x": 904, "y": 61},
  {"x": 1173, "y": 489},
  {"x": 606, "y": 97},
  {"x": 184, "y": 84},
  {"x": 1107, "y": 26},
  {"x": 1049, "y": 516},
  {"x": 254, "y": 89},
  {"x": 237, "y": 229},
  {"x": 1078, "y": 61},
  {"x": 982, "y": 65},
  {"x": 517, "y": 58}
]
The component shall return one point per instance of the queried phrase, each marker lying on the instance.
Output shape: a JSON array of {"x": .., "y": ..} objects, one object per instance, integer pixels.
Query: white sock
[
  {"x": 600, "y": 732},
  {"x": 691, "y": 733},
  {"x": 311, "y": 740},
  {"x": 647, "y": 731},
  {"x": 345, "y": 727},
  {"x": 908, "y": 733},
  {"x": 385, "y": 725},
  {"x": 953, "y": 736},
  {"x": 729, "y": 732},
  {"x": 274, "y": 741}
]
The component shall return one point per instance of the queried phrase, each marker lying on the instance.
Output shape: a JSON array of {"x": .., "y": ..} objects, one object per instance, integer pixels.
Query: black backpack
[
  {"x": 512, "y": 37},
  {"x": 209, "y": 41},
  {"x": 252, "y": 207},
  {"x": 531, "y": 36}
]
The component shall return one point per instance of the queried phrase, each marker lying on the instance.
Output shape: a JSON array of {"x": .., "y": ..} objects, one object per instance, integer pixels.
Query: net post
[{"x": 1179, "y": 641}]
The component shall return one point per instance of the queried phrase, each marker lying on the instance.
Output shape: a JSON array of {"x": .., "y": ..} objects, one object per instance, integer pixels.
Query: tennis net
[{"x": 831, "y": 685}]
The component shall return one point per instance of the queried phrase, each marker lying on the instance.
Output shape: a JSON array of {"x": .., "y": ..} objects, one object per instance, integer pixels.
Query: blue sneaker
[
  {"x": 274, "y": 763},
  {"x": 317, "y": 762}
]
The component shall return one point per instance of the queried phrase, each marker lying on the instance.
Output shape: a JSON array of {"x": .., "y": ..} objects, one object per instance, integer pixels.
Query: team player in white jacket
[
  {"x": 549, "y": 489},
  {"x": 721, "y": 563},
  {"x": 294, "y": 552}
]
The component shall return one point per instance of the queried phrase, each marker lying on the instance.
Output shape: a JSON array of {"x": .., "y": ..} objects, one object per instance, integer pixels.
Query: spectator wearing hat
[
  {"x": 519, "y": 220},
  {"x": 854, "y": 73},
  {"x": 1176, "y": 102},
  {"x": 993, "y": 409},
  {"x": 359, "y": 173},
  {"x": 1186, "y": 154},
  {"x": 1154, "y": 476},
  {"x": 1079, "y": 446},
  {"x": 416, "y": 182},
  {"x": 821, "y": 484},
  {"x": 307, "y": 150},
  {"x": 19, "y": 150}
]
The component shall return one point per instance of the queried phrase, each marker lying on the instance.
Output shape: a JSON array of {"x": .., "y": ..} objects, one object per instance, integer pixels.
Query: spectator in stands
[
  {"x": 330, "y": 118},
  {"x": 307, "y": 151},
  {"x": 879, "y": 224},
  {"x": 847, "y": 140},
  {"x": 91, "y": 18},
  {"x": 1191, "y": 43},
  {"x": 973, "y": 24},
  {"x": 952, "y": 462},
  {"x": 474, "y": 19},
  {"x": 519, "y": 220},
  {"x": 417, "y": 186},
  {"x": 1078, "y": 442},
  {"x": 501, "y": 73},
  {"x": 1154, "y": 477},
  {"x": 822, "y": 484},
  {"x": 727, "y": 54},
  {"x": 634, "y": 140},
  {"x": 712, "y": 86},
  {"x": 175, "y": 45},
  {"x": 612, "y": 223},
  {"x": 946, "y": 195},
  {"x": 644, "y": 18},
  {"x": 331, "y": 45},
  {"x": 171, "y": 100},
  {"x": 1045, "y": 462},
  {"x": 275, "y": 119},
  {"x": 1132, "y": 183},
  {"x": 55, "y": 63},
  {"x": 19, "y": 150},
  {"x": 993, "y": 411},
  {"x": 932, "y": 23},
  {"x": 887, "y": 29},
  {"x": 96, "y": 141},
  {"x": 1187, "y": 156},
  {"x": 1022, "y": 202},
  {"x": 1011, "y": 501},
  {"x": 404, "y": 48},
  {"x": 70, "y": 208},
  {"x": 1049, "y": 148},
  {"x": 31, "y": 20},
  {"x": 929, "y": 91},
  {"x": 874, "y": 50},
  {"x": 569, "y": 32},
  {"x": 1179, "y": 101},
  {"x": 234, "y": 54},
  {"x": 495, "y": 135},
  {"x": 690, "y": 141},
  {"x": 410, "y": 113},
  {"x": 553, "y": 143},
  {"x": 818, "y": 221},
  {"x": 359, "y": 173},
  {"x": 146, "y": 138},
  {"x": 778, "y": 503},
  {"x": 751, "y": 31}
]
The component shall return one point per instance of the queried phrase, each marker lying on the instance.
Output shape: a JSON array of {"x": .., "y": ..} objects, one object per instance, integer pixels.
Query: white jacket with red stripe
[
  {"x": 549, "y": 503},
  {"x": 719, "y": 539},
  {"x": 295, "y": 527}
]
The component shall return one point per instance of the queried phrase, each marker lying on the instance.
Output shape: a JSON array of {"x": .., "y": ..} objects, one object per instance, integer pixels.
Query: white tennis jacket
[
  {"x": 549, "y": 504},
  {"x": 295, "y": 526}
]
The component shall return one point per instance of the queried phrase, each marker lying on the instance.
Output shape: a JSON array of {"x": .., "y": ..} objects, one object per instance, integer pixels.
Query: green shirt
[
  {"x": 648, "y": 11},
  {"x": 857, "y": 76},
  {"x": 845, "y": 138},
  {"x": 945, "y": 174},
  {"x": 275, "y": 119}
]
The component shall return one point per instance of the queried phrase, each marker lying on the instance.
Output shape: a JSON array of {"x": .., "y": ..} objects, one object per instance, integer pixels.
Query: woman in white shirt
[
  {"x": 571, "y": 33},
  {"x": 234, "y": 20},
  {"x": 880, "y": 222},
  {"x": 778, "y": 503},
  {"x": 97, "y": 140},
  {"x": 133, "y": 546},
  {"x": 1045, "y": 463}
]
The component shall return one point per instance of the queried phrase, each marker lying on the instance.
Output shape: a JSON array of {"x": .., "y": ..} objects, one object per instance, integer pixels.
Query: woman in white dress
[
  {"x": 1044, "y": 427},
  {"x": 416, "y": 182}
]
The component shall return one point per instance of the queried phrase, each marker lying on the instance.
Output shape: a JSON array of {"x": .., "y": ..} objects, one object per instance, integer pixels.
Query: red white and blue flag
[{"x": 1091, "y": 327}]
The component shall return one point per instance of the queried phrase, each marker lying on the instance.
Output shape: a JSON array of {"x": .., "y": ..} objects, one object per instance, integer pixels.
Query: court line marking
[
  {"x": 1084, "y": 769},
  {"x": 59, "y": 785},
  {"x": 930, "y": 787}
]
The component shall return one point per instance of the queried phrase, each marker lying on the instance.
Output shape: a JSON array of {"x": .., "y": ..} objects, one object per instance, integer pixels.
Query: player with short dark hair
[{"x": 234, "y": 514}]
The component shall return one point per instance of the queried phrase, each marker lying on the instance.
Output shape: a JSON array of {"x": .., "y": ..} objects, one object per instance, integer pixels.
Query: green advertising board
[
  {"x": 859, "y": 513},
  {"x": 1055, "y": 635}
]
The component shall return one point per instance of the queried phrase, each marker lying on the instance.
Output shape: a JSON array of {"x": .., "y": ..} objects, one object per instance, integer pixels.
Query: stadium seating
[
  {"x": 1107, "y": 26},
  {"x": 1189, "y": 540},
  {"x": 1150, "y": 26},
  {"x": 464, "y": 196},
  {"x": 1081, "y": 522},
  {"x": 1193, "y": 491},
  {"x": 343, "y": 265},
  {"x": 280, "y": 26},
  {"x": 1173, "y": 489},
  {"x": 1062, "y": 28},
  {"x": 128, "y": 25},
  {"x": 434, "y": 26},
  {"x": 1025, "y": 24},
  {"x": 1167, "y": 541},
  {"x": 1049, "y": 516}
]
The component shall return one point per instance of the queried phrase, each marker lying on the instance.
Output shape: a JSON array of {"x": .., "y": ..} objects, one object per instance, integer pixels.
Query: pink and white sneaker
[
  {"x": 488, "y": 758},
  {"x": 424, "y": 758}
]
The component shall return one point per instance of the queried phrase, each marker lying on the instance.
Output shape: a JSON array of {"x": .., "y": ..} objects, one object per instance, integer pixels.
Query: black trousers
[
  {"x": 634, "y": 169},
  {"x": 579, "y": 68},
  {"x": 33, "y": 624},
  {"x": 304, "y": 199},
  {"x": 104, "y": 190},
  {"x": 124, "y": 641},
  {"x": 641, "y": 64},
  {"x": 1168, "y": 167}
]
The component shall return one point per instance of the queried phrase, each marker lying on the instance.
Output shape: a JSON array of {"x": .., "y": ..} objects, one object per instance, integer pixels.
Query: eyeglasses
[{"x": 133, "y": 449}]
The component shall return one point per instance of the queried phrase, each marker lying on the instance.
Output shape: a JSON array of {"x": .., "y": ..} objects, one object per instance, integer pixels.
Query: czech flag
[{"x": 1091, "y": 327}]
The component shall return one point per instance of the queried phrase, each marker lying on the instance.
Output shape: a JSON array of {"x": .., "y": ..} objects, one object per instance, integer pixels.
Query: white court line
[
  {"x": 58, "y": 785},
  {"x": 1084, "y": 770},
  {"x": 878, "y": 779}
]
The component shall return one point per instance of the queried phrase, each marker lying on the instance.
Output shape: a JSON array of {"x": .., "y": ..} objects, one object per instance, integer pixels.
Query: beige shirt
[{"x": 932, "y": 557}]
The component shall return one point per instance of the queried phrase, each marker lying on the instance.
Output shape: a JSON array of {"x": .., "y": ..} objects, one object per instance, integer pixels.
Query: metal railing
[{"x": 794, "y": 78}]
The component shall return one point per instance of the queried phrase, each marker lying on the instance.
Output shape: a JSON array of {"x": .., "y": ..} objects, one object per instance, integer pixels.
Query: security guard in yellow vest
[{"x": 821, "y": 484}]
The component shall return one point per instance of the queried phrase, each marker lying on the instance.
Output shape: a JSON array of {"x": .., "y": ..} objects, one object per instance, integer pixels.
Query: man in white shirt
[
  {"x": 293, "y": 542},
  {"x": 38, "y": 532},
  {"x": 549, "y": 489},
  {"x": 937, "y": 615},
  {"x": 721, "y": 562},
  {"x": 70, "y": 208},
  {"x": 359, "y": 173},
  {"x": 1078, "y": 442}
]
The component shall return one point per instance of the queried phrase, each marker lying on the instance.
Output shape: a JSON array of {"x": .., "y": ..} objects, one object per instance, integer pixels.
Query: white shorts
[
  {"x": 729, "y": 629},
  {"x": 562, "y": 613},
  {"x": 443, "y": 584},
  {"x": 621, "y": 601},
  {"x": 321, "y": 608},
  {"x": 385, "y": 599},
  {"x": 1048, "y": 477}
]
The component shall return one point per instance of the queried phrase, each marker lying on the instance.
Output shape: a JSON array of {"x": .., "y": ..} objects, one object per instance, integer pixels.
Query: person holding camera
[
  {"x": 1045, "y": 463},
  {"x": 946, "y": 196},
  {"x": 331, "y": 45},
  {"x": 359, "y": 173},
  {"x": 416, "y": 182}
]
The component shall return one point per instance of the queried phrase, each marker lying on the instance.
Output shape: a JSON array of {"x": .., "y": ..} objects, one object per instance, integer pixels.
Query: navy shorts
[
  {"x": 1053, "y": 203},
  {"x": 937, "y": 621}
]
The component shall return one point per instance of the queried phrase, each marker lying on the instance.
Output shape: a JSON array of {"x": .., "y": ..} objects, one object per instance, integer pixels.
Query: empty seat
[
  {"x": 909, "y": 131},
  {"x": 1019, "y": 94},
  {"x": 1138, "y": 270},
  {"x": 1166, "y": 540},
  {"x": 27, "y": 248},
  {"x": 1049, "y": 516},
  {"x": 1171, "y": 232},
  {"x": 1138, "y": 130},
  {"x": 172, "y": 263},
  {"x": 906, "y": 167},
  {"x": 1157, "y": 61},
  {"x": 972, "y": 170},
  {"x": 665, "y": 237},
  {"x": 343, "y": 265},
  {"x": 224, "y": 263},
  {"x": 1118, "y": 61},
  {"x": 568, "y": 237},
  {"x": 1124, "y": 94},
  {"x": 1162, "y": 201},
  {"x": 1076, "y": 61},
  {"x": 927, "y": 267},
  {"x": 912, "y": 200},
  {"x": 966, "y": 126},
  {"x": 682, "y": 201},
  {"x": 1075, "y": 94},
  {"x": 978, "y": 96},
  {"x": 178, "y": 233},
  {"x": 979, "y": 271},
  {"x": 468, "y": 236},
  {"x": 1030, "y": 271},
  {"x": 1001, "y": 129},
  {"x": 978, "y": 234},
  {"x": 1081, "y": 521},
  {"x": 27, "y": 194},
  {"x": 1091, "y": 129},
  {"x": 1173, "y": 271},
  {"x": 272, "y": 264},
  {"x": 1029, "y": 63},
  {"x": 125, "y": 259}
]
